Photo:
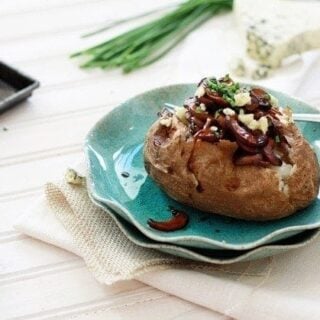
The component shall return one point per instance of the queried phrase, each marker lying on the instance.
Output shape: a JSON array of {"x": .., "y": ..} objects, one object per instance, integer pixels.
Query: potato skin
[{"x": 212, "y": 183}]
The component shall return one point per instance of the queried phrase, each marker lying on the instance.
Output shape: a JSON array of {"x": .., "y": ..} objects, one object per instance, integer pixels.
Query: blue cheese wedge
[{"x": 276, "y": 29}]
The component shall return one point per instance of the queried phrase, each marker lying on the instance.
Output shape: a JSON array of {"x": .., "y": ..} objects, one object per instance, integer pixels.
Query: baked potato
[{"x": 234, "y": 152}]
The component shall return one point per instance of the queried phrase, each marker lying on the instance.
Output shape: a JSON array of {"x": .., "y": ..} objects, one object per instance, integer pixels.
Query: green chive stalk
[{"x": 146, "y": 44}]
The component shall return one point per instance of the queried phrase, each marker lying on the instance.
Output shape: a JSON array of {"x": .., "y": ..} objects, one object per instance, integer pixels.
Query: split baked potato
[{"x": 232, "y": 151}]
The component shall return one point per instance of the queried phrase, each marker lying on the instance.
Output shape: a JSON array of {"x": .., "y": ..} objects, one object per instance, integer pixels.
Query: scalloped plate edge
[{"x": 173, "y": 249}]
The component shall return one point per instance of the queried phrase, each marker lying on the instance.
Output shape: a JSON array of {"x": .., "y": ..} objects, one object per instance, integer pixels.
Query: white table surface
[{"x": 44, "y": 135}]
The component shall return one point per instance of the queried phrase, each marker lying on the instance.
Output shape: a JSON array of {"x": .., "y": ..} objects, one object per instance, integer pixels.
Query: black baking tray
[{"x": 14, "y": 86}]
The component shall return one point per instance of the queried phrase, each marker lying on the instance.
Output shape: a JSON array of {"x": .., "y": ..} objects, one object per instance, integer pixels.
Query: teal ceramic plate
[
  {"x": 114, "y": 148},
  {"x": 208, "y": 255}
]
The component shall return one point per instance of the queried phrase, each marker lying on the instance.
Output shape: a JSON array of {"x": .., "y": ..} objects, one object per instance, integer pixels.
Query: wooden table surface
[{"x": 41, "y": 137}]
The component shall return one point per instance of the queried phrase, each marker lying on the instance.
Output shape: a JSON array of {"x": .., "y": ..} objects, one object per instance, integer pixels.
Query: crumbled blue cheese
[
  {"x": 203, "y": 107},
  {"x": 251, "y": 123},
  {"x": 245, "y": 118},
  {"x": 166, "y": 122},
  {"x": 213, "y": 128},
  {"x": 263, "y": 124},
  {"x": 228, "y": 112},
  {"x": 274, "y": 101},
  {"x": 241, "y": 99},
  {"x": 72, "y": 177},
  {"x": 181, "y": 114}
]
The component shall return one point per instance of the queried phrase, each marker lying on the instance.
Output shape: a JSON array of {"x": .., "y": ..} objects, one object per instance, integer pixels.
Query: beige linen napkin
[
  {"x": 109, "y": 254},
  {"x": 283, "y": 287}
]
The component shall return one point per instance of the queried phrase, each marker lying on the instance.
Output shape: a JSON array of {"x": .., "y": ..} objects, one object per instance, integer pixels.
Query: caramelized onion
[
  {"x": 248, "y": 149},
  {"x": 178, "y": 221},
  {"x": 217, "y": 100},
  {"x": 279, "y": 130},
  {"x": 260, "y": 97},
  {"x": 208, "y": 103},
  {"x": 199, "y": 115},
  {"x": 206, "y": 135},
  {"x": 258, "y": 114},
  {"x": 245, "y": 160},
  {"x": 268, "y": 152},
  {"x": 221, "y": 120},
  {"x": 254, "y": 147},
  {"x": 245, "y": 136},
  {"x": 254, "y": 105},
  {"x": 213, "y": 101},
  {"x": 199, "y": 123},
  {"x": 274, "y": 112}
]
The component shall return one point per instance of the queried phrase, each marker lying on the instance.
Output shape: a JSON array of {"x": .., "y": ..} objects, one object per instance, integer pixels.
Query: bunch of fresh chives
[{"x": 145, "y": 44}]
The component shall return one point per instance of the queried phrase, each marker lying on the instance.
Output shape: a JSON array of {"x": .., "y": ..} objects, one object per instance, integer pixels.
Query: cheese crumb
[
  {"x": 263, "y": 124},
  {"x": 274, "y": 101},
  {"x": 181, "y": 114},
  {"x": 248, "y": 120},
  {"x": 72, "y": 177},
  {"x": 242, "y": 98},
  {"x": 166, "y": 122},
  {"x": 214, "y": 128},
  {"x": 203, "y": 107},
  {"x": 228, "y": 112}
]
